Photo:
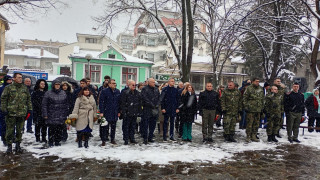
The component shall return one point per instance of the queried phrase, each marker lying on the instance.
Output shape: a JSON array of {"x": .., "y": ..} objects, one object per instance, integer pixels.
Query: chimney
[
  {"x": 41, "y": 52},
  {"x": 22, "y": 48}
]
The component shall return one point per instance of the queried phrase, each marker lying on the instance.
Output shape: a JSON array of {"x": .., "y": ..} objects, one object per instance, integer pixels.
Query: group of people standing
[{"x": 144, "y": 106}]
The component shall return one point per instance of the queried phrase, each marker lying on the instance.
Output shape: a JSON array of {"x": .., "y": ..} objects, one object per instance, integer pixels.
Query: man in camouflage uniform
[
  {"x": 281, "y": 91},
  {"x": 231, "y": 104},
  {"x": 15, "y": 104},
  {"x": 273, "y": 108},
  {"x": 253, "y": 102}
]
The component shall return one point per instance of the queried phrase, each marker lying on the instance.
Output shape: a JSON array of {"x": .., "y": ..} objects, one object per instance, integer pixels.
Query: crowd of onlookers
[{"x": 147, "y": 105}]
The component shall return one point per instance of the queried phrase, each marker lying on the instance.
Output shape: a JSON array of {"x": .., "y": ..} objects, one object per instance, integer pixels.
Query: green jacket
[
  {"x": 274, "y": 105},
  {"x": 16, "y": 100},
  {"x": 253, "y": 99},
  {"x": 231, "y": 101}
]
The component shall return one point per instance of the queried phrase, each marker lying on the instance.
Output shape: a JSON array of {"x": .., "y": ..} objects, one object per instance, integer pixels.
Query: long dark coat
[
  {"x": 150, "y": 101},
  {"x": 170, "y": 100},
  {"x": 131, "y": 103},
  {"x": 36, "y": 99},
  {"x": 55, "y": 106},
  {"x": 109, "y": 104},
  {"x": 312, "y": 110},
  {"x": 188, "y": 107}
]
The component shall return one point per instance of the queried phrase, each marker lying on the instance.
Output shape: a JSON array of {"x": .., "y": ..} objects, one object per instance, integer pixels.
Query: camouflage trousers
[
  {"x": 253, "y": 122},
  {"x": 293, "y": 123},
  {"x": 14, "y": 128},
  {"x": 273, "y": 125},
  {"x": 229, "y": 123}
]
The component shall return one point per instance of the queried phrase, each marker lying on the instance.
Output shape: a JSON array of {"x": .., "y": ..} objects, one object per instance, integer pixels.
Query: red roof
[{"x": 172, "y": 21}]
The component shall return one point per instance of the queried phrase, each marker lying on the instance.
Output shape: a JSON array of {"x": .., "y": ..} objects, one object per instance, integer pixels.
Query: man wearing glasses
[
  {"x": 109, "y": 108},
  {"x": 131, "y": 109}
]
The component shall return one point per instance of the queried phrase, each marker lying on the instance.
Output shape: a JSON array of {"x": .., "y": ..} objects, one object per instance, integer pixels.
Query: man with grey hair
[
  {"x": 27, "y": 82},
  {"x": 150, "y": 102}
]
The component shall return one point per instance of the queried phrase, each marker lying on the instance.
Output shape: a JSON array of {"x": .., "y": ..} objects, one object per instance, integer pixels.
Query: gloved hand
[
  {"x": 224, "y": 112},
  {"x": 201, "y": 113},
  {"x": 275, "y": 106}
]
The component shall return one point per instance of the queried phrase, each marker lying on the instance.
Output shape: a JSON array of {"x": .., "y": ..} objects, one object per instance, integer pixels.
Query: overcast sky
[{"x": 62, "y": 26}]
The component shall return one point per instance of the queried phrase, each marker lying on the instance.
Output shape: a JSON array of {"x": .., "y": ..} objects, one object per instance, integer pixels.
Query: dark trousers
[
  {"x": 311, "y": 124},
  {"x": 179, "y": 124},
  {"x": 55, "y": 132},
  {"x": 41, "y": 128},
  {"x": 64, "y": 133},
  {"x": 128, "y": 127},
  {"x": 165, "y": 125},
  {"x": 148, "y": 126},
  {"x": 104, "y": 131},
  {"x": 3, "y": 127},
  {"x": 29, "y": 122},
  {"x": 243, "y": 122}
]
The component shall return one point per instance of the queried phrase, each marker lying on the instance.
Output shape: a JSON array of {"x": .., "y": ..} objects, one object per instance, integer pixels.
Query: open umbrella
[{"x": 69, "y": 80}]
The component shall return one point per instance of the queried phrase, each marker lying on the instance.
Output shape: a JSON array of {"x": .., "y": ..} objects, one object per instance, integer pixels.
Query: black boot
[
  {"x": 9, "y": 149},
  {"x": 226, "y": 137},
  {"x": 274, "y": 138},
  {"x": 18, "y": 148},
  {"x": 79, "y": 137},
  {"x": 37, "y": 139},
  {"x": 86, "y": 140},
  {"x": 231, "y": 138},
  {"x": 269, "y": 138},
  {"x": 44, "y": 140}
]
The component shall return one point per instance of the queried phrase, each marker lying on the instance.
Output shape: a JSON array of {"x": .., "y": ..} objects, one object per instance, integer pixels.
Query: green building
[{"x": 118, "y": 66}]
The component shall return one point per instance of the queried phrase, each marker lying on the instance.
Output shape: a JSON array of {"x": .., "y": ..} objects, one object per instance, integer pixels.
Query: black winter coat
[
  {"x": 150, "y": 101},
  {"x": 109, "y": 104},
  {"x": 131, "y": 103},
  {"x": 170, "y": 100},
  {"x": 312, "y": 111},
  {"x": 36, "y": 98},
  {"x": 294, "y": 102},
  {"x": 55, "y": 107},
  {"x": 209, "y": 100},
  {"x": 188, "y": 107}
]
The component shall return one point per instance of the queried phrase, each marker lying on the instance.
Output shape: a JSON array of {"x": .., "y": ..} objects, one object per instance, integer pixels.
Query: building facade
[
  {"x": 118, "y": 66},
  {"x": 4, "y": 26},
  {"x": 30, "y": 58},
  {"x": 126, "y": 40},
  {"x": 50, "y": 46}
]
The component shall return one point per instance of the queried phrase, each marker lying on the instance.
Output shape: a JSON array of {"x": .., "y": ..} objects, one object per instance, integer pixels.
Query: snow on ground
[{"x": 161, "y": 152}]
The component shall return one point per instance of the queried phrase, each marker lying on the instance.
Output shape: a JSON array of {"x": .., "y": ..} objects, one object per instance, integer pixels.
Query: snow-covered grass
[{"x": 159, "y": 152}]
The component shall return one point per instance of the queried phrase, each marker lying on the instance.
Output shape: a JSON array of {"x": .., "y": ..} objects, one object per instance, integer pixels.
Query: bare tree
[
  {"x": 277, "y": 27},
  {"x": 314, "y": 9},
  {"x": 26, "y": 9},
  {"x": 115, "y": 9},
  {"x": 219, "y": 18}
]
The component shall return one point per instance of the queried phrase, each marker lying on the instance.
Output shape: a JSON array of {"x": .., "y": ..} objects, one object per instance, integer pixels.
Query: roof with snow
[
  {"x": 30, "y": 52},
  {"x": 98, "y": 55},
  {"x": 198, "y": 59},
  {"x": 237, "y": 59}
]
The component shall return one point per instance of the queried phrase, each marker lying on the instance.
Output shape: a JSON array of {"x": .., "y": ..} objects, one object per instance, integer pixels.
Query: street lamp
[{"x": 88, "y": 57}]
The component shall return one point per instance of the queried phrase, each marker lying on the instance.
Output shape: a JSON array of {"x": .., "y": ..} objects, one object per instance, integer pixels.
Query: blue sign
[{"x": 37, "y": 75}]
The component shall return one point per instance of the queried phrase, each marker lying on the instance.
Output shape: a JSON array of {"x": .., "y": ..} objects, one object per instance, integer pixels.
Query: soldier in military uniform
[
  {"x": 253, "y": 102},
  {"x": 273, "y": 108},
  {"x": 281, "y": 91},
  {"x": 15, "y": 104},
  {"x": 231, "y": 104}
]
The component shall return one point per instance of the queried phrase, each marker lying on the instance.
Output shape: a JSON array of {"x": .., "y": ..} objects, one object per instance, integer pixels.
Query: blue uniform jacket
[{"x": 109, "y": 104}]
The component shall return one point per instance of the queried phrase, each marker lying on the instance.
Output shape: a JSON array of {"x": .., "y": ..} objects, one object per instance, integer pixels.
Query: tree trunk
[
  {"x": 278, "y": 46},
  {"x": 190, "y": 43},
  {"x": 315, "y": 50},
  {"x": 184, "y": 71}
]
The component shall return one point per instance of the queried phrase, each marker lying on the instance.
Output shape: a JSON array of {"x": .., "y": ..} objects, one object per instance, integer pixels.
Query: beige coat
[{"x": 85, "y": 110}]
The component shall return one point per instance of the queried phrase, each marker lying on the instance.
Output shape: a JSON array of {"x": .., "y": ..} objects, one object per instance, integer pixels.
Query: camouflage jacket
[
  {"x": 231, "y": 101},
  {"x": 274, "y": 105},
  {"x": 16, "y": 100},
  {"x": 253, "y": 99}
]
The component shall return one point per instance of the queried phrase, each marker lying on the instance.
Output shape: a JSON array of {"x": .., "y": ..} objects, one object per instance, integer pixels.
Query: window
[
  {"x": 112, "y": 56},
  {"x": 48, "y": 65},
  {"x": 91, "y": 40},
  {"x": 150, "y": 57},
  {"x": 32, "y": 63},
  {"x": 129, "y": 73},
  {"x": 95, "y": 72},
  {"x": 151, "y": 42},
  {"x": 12, "y": 62}
]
